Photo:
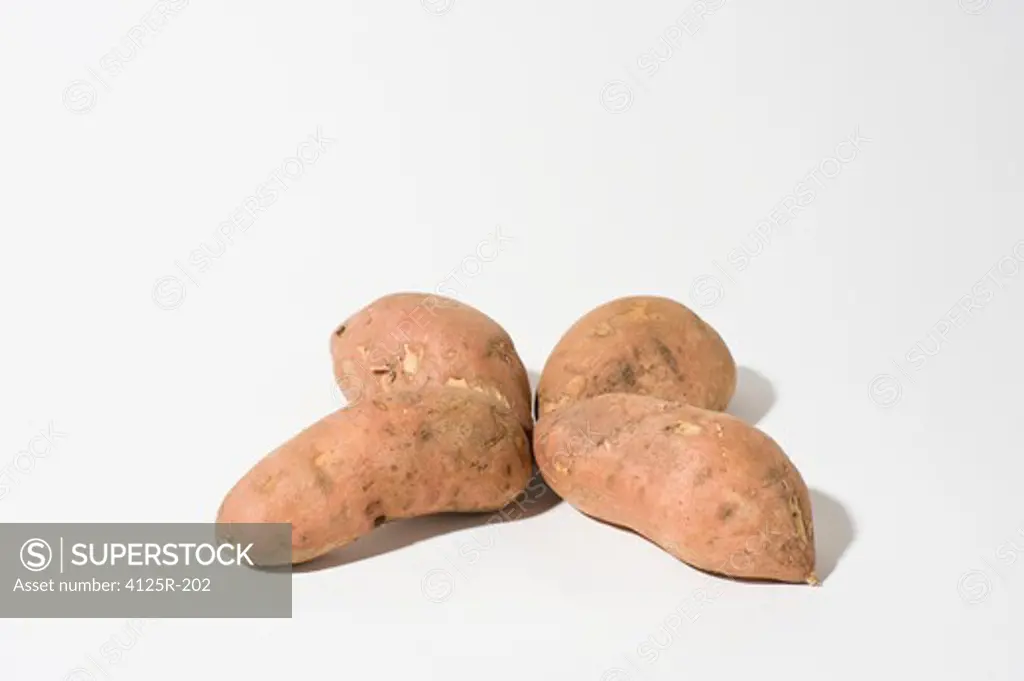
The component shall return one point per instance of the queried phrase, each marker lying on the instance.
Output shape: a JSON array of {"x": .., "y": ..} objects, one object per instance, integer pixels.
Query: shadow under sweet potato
[{"x": 754, "y": 396}]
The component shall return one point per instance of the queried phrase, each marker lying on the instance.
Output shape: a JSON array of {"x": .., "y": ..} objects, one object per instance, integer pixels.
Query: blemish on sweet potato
[
  {"x": 774, "y": 475},
  {"x": 667, "y": 356},
  {"x": 685, "y": 428},
  {"x": 323, "y": 480},
  {"x": 627, "y": 375},
  {"x": 498, "y": 347},
  {"x": 725, "y": 511},
  {"x": 798, "y": 519},
  {"x": 703, "y": 475},
  {"x": 410, "y": 362},
  {"x": 498, "y": 437},
  {"x": 621, "y": 379}
]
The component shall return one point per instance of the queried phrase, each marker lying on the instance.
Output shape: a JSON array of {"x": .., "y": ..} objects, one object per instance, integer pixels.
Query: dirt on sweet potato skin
[
  {"x": 397, "y": 455},
  {"x": 410, "y": 341},
  {"x": 645, "y": 345},
  {"x": 711, "y": 490}
]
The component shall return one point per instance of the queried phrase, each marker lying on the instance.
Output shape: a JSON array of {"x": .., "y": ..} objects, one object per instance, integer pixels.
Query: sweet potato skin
[
  {"x": 397, "y": 455},
  {"x": 410, "y": 341},
  {"x": 709, "y": 489},
  {"x": 645, "y": 345}
]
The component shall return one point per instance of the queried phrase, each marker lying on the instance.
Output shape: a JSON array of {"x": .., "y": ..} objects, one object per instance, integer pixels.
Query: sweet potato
[
  {"x": 409, "y": 341},
  {"x": 644, "y": 345},
  {"x": 396, "y": 455},
  {"x": 712, "y": 491}
]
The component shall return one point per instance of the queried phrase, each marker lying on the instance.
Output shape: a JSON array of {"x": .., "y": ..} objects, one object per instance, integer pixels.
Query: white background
[{"x": 449, "y": 119}]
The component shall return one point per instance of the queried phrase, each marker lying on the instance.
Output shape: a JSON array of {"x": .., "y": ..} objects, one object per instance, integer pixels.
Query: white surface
[{"x": 449, "y": 119}]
